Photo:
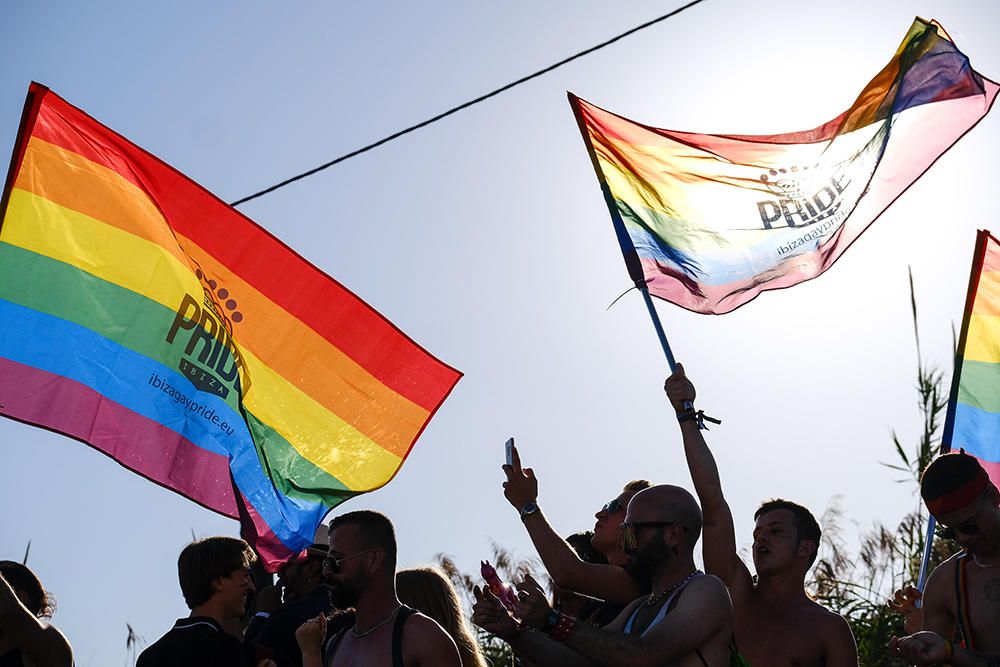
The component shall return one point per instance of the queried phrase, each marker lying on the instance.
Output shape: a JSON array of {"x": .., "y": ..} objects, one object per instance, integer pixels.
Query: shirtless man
[
  {"x": 686, "y": 621},
  {"x": 777, "y": 624},
  {"x": 361, "y": 571},
  {"x": 958, "y": 492},
  {"x": 609, "y": 581}
]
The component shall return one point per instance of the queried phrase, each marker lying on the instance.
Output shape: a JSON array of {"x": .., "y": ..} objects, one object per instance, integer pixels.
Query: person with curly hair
[{"x": 25, "y": 636}]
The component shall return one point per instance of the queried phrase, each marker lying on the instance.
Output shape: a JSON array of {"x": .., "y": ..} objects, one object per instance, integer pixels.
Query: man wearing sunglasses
[
  {"x": 611, "y": 581},
  {"x": 962, "y": 596},
  {"x": 686, "y": 620},
  {"x": 777, "y": 623},
  {"x": 361, "y": 572}
]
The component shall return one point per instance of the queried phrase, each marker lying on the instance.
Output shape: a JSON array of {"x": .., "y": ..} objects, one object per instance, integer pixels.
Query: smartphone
[{"x": 509, "y": 451}]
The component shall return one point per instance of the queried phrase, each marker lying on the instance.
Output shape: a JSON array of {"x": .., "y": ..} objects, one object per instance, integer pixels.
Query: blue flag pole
[
  {"x": 982, "y": 239},
  {"x": 664, "y": 343},
  {"x": 624, "y": 242}
]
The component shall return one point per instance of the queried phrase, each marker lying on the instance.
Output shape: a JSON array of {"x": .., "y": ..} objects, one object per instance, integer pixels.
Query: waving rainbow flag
[
  {"x": 708, "y": 221},
  {"x": 147, "y": 318},
  {"x": 973, "y": 421}
]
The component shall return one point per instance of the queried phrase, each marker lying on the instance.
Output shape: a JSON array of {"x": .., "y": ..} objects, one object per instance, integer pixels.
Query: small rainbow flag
[
  {"x": 144, "y": 316},
  {"x": 973, "y": 421},
  {"x": 708, "y": 221}
]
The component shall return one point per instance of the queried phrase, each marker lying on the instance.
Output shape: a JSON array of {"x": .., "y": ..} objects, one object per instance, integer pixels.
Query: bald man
[{"x": 687, "y": 620}]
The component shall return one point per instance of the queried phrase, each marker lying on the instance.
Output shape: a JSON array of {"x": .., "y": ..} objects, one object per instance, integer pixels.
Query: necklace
[
  {"x": 984, "y": 565},
  {"x": 656, "y": 597},
  {"x": 359, "y": 635}
]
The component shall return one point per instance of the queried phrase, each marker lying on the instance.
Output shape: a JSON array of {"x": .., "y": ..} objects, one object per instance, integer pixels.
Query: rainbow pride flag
[
  {"x": 708, "y": 221},
  {"x": 144, "y": 316},
  {"x": 973, "y": 420}
]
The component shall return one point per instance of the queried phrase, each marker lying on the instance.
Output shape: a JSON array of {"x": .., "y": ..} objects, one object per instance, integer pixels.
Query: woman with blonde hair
[{"x": 427, "y": 590}]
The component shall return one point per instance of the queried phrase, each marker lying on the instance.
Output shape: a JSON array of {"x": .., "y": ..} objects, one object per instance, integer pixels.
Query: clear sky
[{"x": 486, "y": 239}]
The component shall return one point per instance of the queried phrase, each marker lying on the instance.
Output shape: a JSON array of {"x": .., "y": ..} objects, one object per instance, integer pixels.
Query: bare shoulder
[
  {"x": 426, "y": 643},
  {"x": 709, "y": 592},
  {"x": 940, "y": 582},
  {"x": 710, "y": 585},
  {"x": 945, "y": 571},
  {"x": 829, "y": 623},
  {"x": 54, "y": 649},
  {"x": 817, "y": 613}
]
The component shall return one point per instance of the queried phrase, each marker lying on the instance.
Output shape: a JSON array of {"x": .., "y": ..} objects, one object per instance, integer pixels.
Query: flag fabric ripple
[
  {"x": 973, "y": 421},
  {"x": 144, "y": 316},
  {"x": 708, "y": 221}
]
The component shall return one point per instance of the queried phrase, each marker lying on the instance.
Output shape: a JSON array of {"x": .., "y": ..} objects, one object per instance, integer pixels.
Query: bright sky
[{"x": 486, "y": 239}]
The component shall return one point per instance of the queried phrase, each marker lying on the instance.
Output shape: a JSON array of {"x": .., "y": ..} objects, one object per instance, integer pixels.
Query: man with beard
[
  {"x": 687, "y": 620},
  {"x": 217, "y": 583},
  {"x": 610, "y": 581},
  {"x": 777, "y": 624},
  {"x": 361, "y": 571},
  {"x": 963, "y": 593},
  {"x": 305, "y": 595}
]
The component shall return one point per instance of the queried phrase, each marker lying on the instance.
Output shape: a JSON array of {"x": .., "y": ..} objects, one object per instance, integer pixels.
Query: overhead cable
[{"x": 466, "y": 105}]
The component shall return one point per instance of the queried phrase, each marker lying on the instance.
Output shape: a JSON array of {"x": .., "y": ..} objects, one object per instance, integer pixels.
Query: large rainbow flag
[
  {"x": 973, "y": 420},
  {"x": 144, "y": 316},
  {"x": 708, "y": 221}
]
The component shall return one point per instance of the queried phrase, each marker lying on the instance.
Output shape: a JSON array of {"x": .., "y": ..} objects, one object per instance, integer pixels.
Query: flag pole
[
  {"x": 664, "y": 343},
  {"x": 982, "y": 239},
  {"x": 628, "y": 250}
]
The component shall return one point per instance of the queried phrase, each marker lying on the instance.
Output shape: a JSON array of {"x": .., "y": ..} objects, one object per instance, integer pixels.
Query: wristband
[
  {"x": 551, "y": 621},
  {"x": 697, "y": 416},
  {"x": 563, "y": 627},
  {"x": 949, "y": 650}
]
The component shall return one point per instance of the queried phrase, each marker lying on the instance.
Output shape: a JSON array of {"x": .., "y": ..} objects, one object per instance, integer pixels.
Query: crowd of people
[{"x": 627, "y": 594}]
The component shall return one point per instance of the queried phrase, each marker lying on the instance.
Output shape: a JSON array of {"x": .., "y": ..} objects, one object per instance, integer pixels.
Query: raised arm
[
  {"x": 719, "y": 533},
  {"x": 39, "y": 641},
  {"x": 607, "y": 582}
]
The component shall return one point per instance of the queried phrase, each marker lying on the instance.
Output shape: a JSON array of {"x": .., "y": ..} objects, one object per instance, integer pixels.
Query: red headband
[{"x": 960, "y": 497}]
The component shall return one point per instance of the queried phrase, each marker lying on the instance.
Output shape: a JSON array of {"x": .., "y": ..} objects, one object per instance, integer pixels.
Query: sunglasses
[
  {"x": 970, "y": 527},
  {"x": 613, "y": 506},
  {"x": 630, "y": 532},
  {"x": 333, "y": 564},
  {"x": 948, "y": 533}
]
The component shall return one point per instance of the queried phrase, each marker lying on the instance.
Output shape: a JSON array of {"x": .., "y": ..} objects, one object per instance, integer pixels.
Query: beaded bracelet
[{"x": 563, "y": 628}]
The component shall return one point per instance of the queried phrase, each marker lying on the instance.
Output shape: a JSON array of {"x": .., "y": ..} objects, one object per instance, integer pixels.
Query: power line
[{"x": 465, "y": 105}]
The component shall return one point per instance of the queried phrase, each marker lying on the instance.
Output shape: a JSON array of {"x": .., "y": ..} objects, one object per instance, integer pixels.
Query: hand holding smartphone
[{"x": 504, "y": 592}]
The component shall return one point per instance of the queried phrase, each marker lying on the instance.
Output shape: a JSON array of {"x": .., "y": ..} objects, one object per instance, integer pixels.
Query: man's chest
[
  {"x": 982, "y": 608},
  {"x": 778, "y": 640},
  {"x": 355, "y": 652}
]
